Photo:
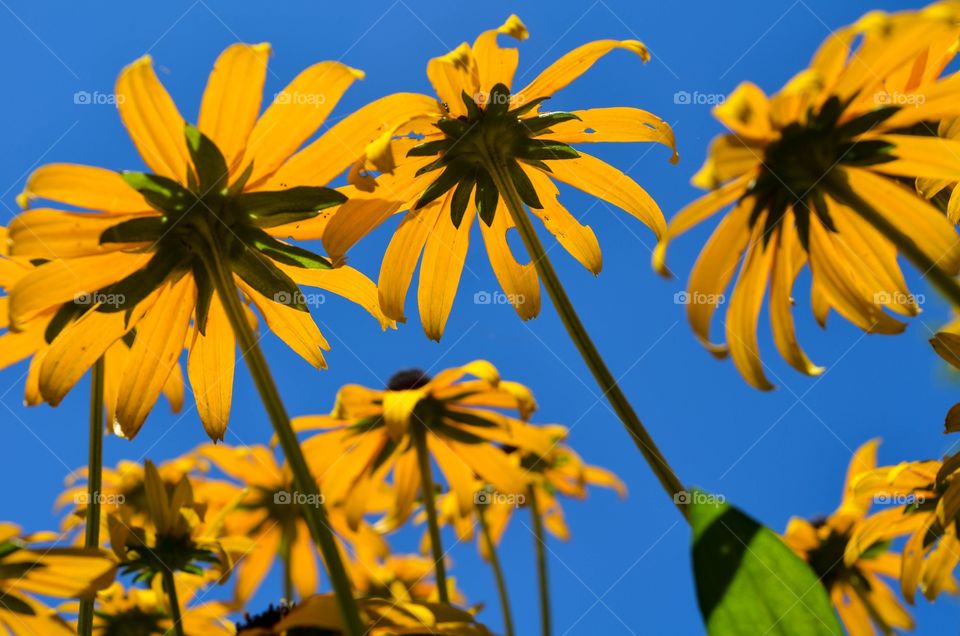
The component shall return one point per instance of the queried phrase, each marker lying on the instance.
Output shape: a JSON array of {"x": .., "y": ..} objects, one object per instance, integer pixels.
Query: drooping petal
[
  {"x": 496, "y": 65},
  {"x": 303, "y": 558},
  {"x": 152, "y": 120},
  {"x": 579, "y": 240},
  {"x": 788, "y": 262},
  {"x": 295, "y": 115},
  {"x": 573, "y": 65},
  {"x": 84, "y": 187},
  {"x": 210, "y": 367},
  {"x": 600, "y": 179},
  {"x": 344, "y": 281},
  {"x": 614, "y": 124},
  {"x": 746, "y": 112},
  {"x": 232, "y": 98},
  {"x": 443, "y": 258},
  {"x": 255, "y": 564},
  {"x": 296, "y": 328},
  {"x": 929, "y": 157},
  {"x": 519, "y": 281}
]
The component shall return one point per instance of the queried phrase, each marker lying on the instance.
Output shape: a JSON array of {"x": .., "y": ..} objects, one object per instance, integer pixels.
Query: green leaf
[
  {"x": 284, "y": 252},
  {"x": 546, "y": 150},
  {"x": 266, "y": 208},
  {"x": 523, "y": 185},
  {"x": 260, "y": 273},
  {"x": 211, "y": 167},
  {"x": 748, "y": 581},
  {"x": 486, "y": 197},
  {"x": 460, "y": 200},
  {"x": 165, "y": 195},
  {"x": 147, "y": 228}
]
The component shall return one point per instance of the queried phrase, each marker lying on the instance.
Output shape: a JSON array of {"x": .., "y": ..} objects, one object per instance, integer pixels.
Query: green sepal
[
  {"x": 541, "y": 123},
  {"x": 866, "y": 122},
  {"x": 456, "y": 434},
  {"x": 546, "y": 150},
  {"x": 13, "y": 604},
  {"x": 430, "y": 148},
  {"x": 163, "y": 194},
  {"x": 447, "y": 179},
  {"x": 134, "y": 288},
  {"x": 452, "y": 127},
  {"x": 536, "y": 163},
  {"x": 867, "y": 153},
  {"x": 211, "y": 168},
  {"x": 67, "y": 313},
  {"x": 473, "y": 111},
  {"x": 523, "y": 185},
  {"x": 436, "y": 164},
  {"x": 486, "y": 197},
  {"x": 461, "y": 199},
  {"x": 265, "y": 206},
  {"x": 146, "y": 228},
  {"x": 205, "y": 290},
  {"x": 267, "y": 279},
  {"x": 520, "y": 111},
  {"x": 237, "y": 186},
  {"x": 469, "y": 419},
  {"x": 284, "y": 252},
  {"x": 498, "y": 101}
]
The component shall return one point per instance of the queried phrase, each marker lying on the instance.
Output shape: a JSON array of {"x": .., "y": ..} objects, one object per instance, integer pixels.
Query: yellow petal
[
  {"x": 155, "y": 351},
  {"x": 573, "y": 65},
  {"x": 746, "y": 112},
  {"x": 789, "y": 261},
  {"x": 443, "y": 259},
  {"x": 52, "y": 234},
  {"x": 728, "y": 157},
  {"x": 930, "y": 157},
  {"x": 398, "y": 409},
  {"x": 519, "y": 281},
  {"x": 294, "y": 327},
  {"x": 84, "y": 187},
  {"x": 603, "y": 181},
  {"x": 400, "y": 259},
  {"x": 343, "y": 281},
  {"x": 459, "y": 475},
  {"x": 614, "y": 124},
  {"x": 745, "y": 303},
  {"x": 152, "y": 120},
  {"x": 579, "y": 240},
  {"x": 406, "y": 482},
  {"x": 453, "y": 74},
  {"x": 295, "y": 115},
  {"x": 255, "y": 565},
  {"x": 210, "y": 367},
  {"x": 496, "y": 65},
  {"x": 231, "y": 100},
  {"x": 303, "y": 559}
]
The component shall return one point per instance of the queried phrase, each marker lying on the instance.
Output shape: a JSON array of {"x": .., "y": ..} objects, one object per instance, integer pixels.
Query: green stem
[
  {"x": 426, "y": 486},
  {"x": 578, "y": 333},
  {"x": 286, "y": 549},
  {"x": 541, "y": 544},
  {"x": 94, "y": 483},
  {"x": 838, "y": 187},
  {"x": 170, "y": 586},
  {"x": 497, "y": 571},
  {"x": 314, "y": 512}
]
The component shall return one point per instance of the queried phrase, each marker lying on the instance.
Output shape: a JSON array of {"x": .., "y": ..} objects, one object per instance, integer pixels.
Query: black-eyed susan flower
[
  {"x": 29, "y": 567},
  {"x": 144, "y": 612},
  {"x": 270, "y": 514},
  {"x": 857, "y": 586},
  {"x": 443, "y": 179},
  {"x": 402, "y": 577},
  {"x": 821, "y": 175},
  {"x": 381, "y": 617},
  {"x": 144, "y": 254},
  {"x": 924, "y": 497}
]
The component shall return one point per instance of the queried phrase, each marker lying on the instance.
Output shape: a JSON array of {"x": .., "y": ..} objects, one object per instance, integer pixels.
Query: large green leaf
[{"x": 748, "y": 581}]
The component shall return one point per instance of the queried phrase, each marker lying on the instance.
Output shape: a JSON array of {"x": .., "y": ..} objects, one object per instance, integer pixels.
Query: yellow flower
[
  {"x": 271, "y": 515},
  {"x": 144, "y": 612},
  {"x": 790, "y": 166},
  {"x": 371, "y": 434},
  {"x": 382, "y": 617},
  {"x": 143, "y": 254},
  {"x": 475, "y": 118},
  {"x": 862, "y": 598},
  {"x": 178, "y": 536},
  {"x": 925, "y": 495},
  {"x": 28, "y": 341},
  {"x": 27, "y": 568}
]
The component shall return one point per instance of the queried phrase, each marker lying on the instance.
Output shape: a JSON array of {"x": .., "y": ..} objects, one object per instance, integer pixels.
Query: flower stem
[
  {"x": 286, "y": 549},
  {"x": 426, "y": 486},
  {"x": 94, "y": 481},
  {"x": 541, "y": 546},
  {"x": 947, "y": 285},
  {"x": 170, "y": 586},
  {"x": 608, "y": 384},
  {"x": 497, "y": 571},
  {"x": 314, "y": 512}
]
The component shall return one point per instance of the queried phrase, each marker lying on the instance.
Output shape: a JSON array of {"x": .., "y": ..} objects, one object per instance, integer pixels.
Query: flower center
[{"x": 408, "y": 380}]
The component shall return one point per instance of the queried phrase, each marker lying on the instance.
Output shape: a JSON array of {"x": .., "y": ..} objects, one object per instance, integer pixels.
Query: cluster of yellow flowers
[{"x": 832, "y": 174}]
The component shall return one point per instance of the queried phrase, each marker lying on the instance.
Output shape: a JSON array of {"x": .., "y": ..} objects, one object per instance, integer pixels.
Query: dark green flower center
[
  {"x": 795, "y": 164},
  {"x": 491, "y": 134},
  {"x": 133, "y": 622},
  {"x": 273, "y": 615},
  {"x": 208, "y": 219},
  {"x": 176, "y": 553},
  {"x": 408, "y": 380}
]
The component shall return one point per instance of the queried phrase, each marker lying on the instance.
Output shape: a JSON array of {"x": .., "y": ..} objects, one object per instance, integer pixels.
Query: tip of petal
[
  {"x": 145, "y": 60},
  {"x": 357, "y": 73},
  {"x": 637, "y": 47},
  {"x": 515, "y": 28},
  {"x": 262, "y": 47},
  {"x": 659, "y": 260},
  {"x": 23, "y": 200}
]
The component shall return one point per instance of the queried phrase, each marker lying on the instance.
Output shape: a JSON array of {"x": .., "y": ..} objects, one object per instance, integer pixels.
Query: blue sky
[{"x": 626, "y": 569}]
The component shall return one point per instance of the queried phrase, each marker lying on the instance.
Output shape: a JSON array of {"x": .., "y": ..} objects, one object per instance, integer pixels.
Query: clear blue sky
[{"x": 626, "y": 569}]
